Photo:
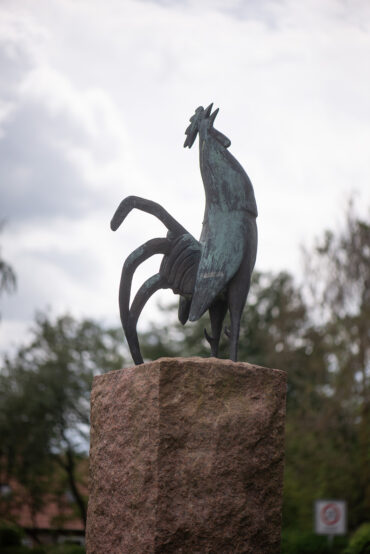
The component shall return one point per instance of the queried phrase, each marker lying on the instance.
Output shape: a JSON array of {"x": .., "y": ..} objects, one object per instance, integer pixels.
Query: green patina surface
[{"x": 213, "y": 273}]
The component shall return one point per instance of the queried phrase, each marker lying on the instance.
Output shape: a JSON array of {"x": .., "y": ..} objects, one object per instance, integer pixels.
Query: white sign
[{"x": 330, "y": 517}]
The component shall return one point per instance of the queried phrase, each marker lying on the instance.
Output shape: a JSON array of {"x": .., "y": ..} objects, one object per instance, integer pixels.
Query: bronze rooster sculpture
[{"x": 213, "y": 273}]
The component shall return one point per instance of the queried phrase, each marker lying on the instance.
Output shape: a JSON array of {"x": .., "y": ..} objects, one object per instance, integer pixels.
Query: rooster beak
[{"x": 191, "y": 135}]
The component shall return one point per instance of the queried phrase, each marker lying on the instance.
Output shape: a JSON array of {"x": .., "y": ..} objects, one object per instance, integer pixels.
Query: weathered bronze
[{"x": 213, "y": 273}]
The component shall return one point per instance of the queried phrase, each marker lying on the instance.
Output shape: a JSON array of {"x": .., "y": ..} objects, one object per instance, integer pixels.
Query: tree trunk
[{"x": 69, "y": 465}]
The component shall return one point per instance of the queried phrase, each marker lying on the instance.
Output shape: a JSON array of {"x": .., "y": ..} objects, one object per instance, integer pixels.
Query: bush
[
  {"x": 46, "y": 549},
  {"x": 360, "y": 541},
  {"x": 20, "y": 549},
  {"x": 295, "y": 542},
  {"x": 10, "y": 535},
  {"x": 66, "y": 549},
  {"x": 16, "y": 549}
]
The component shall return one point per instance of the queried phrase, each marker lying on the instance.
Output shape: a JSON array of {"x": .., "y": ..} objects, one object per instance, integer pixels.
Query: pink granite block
[{"x": 187, "y": 456}]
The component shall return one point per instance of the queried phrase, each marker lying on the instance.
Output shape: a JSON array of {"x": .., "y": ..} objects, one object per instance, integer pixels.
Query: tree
[
  {"x": 338, "y": 270},
  {"x": 8, "y": 278},
  {"x": 45, "y": 391}
]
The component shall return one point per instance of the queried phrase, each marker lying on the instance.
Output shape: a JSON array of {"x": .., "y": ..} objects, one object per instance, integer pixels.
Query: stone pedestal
[{"x": 186, "y": 456}]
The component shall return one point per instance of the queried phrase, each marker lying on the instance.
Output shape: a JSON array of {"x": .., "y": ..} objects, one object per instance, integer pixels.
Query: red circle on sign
[{"x": 330, "y": 514}]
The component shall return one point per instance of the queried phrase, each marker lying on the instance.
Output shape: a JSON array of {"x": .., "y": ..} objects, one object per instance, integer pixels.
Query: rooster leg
[
  {"x": 217, "y": 312},
  {"x": 237, "y": 296},
  {"x": 150, "y": 286},
  {"x": 235, "y": 316}
]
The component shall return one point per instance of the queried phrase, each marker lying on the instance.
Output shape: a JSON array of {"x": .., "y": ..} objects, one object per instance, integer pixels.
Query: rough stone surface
[{"x": 187, "y": 456}]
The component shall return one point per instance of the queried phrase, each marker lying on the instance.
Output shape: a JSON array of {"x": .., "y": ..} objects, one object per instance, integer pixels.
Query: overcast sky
[{"x": 94, "y": 101}]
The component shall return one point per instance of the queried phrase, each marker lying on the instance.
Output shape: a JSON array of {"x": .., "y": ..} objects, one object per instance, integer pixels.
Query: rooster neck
[{"x": 227, "y": 186}]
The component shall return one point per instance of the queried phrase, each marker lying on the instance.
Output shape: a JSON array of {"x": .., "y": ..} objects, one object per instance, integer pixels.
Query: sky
[{"x": 94, "y": 101}]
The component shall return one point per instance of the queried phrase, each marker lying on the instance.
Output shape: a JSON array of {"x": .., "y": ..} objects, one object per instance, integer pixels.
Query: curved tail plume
[
  {"x": 150, "y": 286},
  {"x": 129, "y": 315},
  {"x": 148, "y": 206}
]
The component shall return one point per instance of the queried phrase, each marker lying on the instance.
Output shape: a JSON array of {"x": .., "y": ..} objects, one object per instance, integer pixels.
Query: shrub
[
  {"x": 21, "y": 549},
  {"x": 296, "y": 542},
  {"x": 16, "y": 549},
  {"x": 10, "y": 535},
  {"x": 360, "y": 541},
  {"x": 66, "y": 549}
]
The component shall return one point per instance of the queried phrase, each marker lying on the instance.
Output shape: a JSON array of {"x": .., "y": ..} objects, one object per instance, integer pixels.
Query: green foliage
[
  {"x": 44, "y": 396},
  {"x": 10, "y": 535},
  {"x": 11, "y": 541},
  {"x": 360, "y": 541},
  {"x": 18, "y": 550},
  {"x": 337, "y": 278},
  {"x": 66, "y": 549},
  {"x": 8, "y": 279},
  {"x": 298, "y": 542}
]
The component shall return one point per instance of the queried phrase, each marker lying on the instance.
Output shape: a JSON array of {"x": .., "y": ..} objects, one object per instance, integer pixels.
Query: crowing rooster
[{"x": 213, "y": 273}]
